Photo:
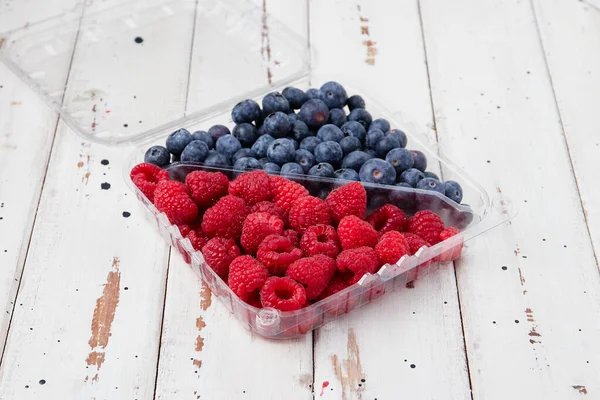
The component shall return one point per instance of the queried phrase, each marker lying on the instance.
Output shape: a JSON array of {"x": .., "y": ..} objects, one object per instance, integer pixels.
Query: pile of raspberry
[{"x": 277, "y": 246}]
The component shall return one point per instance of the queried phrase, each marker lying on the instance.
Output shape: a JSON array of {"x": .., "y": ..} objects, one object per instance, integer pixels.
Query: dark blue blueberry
[
  {"x": 261, "y": 130},
  {"x": 245, "y": 111},
  {"x": 313, "y": 93},
  {"x": 305, "y": 159},
  {"x": 216, "y": 131},
  {"x": 370, "y": 152},
  {"x": 353, "y": 128},
  {"x": 293, "y": 117},
  {"x": 216, "y": 159},
  {"x": 453, "y": 191},
  {"x": 300, "y": 131},
  {"x": 263, "y": 161},
  {"x": 295, "y": 97},
  {"x": 404, "y": 185},
  {"x": 244, "y": 152},
  {"x": 274, "y": 102},
  {"x": 261, "y": 145},
  {"x": 291, "y": 168},
  {"x": 329, "y": 152},
  {"x": 196, "y": 151},
  {"x": 294, "y": 143},
  {"x": 429, "y": 174},
  {"x": 246, "y": 164},
  {"x": 330, "y": 132},
  {"x": 400, "y": 135},
  {"x": 281, "y": 151},
  {"x": 228, "y": 145},
  {"x": 245, "y": 133},
  {"x": 380, "y": 123},
  {"x": 376, "y": 197},
  {"x": 277, "y": 125},
  {"x": 271, "y": 168},
  {"x": 385, "y": 144},
  {"x": 412, "y": 176},
  {"x": 310, "y": 143},
  {"x": 373, "y": 137},
  {"x": 350, "y": 144},
  {"x": 324, "y": 170},
  {"x": 334, "y": 95},
  {"x": 205, "y": 137},
  {"x": 346, "y": 174},
  {"x": 177, "y": 141},
  {"x": 361, "y": 115},
  {"x": 157, "y": 155},
  {"x": 314, "y": 113},
  {"x": 431, "y": 184},
  {"x": 401, "y": 159},
  {"x": 355, "y": 102},
  {"x": 376, "y": 170},
  {"x": 337, "y": 117},
  {"x": 420, "y": 160},
  {"x": 355, "y": 160}
]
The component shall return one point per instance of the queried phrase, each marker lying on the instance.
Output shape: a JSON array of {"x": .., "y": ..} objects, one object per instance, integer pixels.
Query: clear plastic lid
[{"x": 237, "y": 51}]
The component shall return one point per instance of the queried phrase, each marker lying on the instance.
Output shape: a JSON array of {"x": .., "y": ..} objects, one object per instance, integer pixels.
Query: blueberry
[
  {"x": 177, "y": 141},
  {"x": 420, "y": 160},
  {"x": 400, "y": 158},
  {"x": 244, "y": 152},
  {"x": 263, "y": 161},
  {"x": 245, "y": 133},
  {"x": 346, "y": 174},
  {"x": 291, "y": 168},
  {"x": 334, "y": 95},
  {"x": 329, "y": 152},
  {"x": 261, "y": 130},
  {"x": 196, "y": 151},
  {"x": 376, "y": 170},
  {"x": 337, "y": 117},
  {"x": 293, "y": 117},
  {"x": 246, "y": 164},
  {"x": 429, "y": 174},
  {"x": 295, "y": 97},
  {"x": 205, "y": 137},
  {"x": 245, "y": 111},
  {"x": 274, "y": 102},
  {"x": 324, "y": 170},
  {"x": 385, "y": 144},
  {"x": 330, "y": 132},
  {"x": 355, "y": 160},
  {"x": 350, "y": 144},
  {"x": 216, "y": 159},
  {"x": 271, "y": 167},
  {"x": 313, "y": 93},
  {"x": 261, "y": 145},
  {"x": 353, "y": 128},
  {"x": 370, "y": 152},
  {"x": 355, "y": 102},
  {"x": 281, "y": 151},
  {"x": 373, "y": 137},
  {"x": 404, "y": 185},
  {"x": 294, "y": 143},
  {"x": 431, "y": 184},
  {"x": 305, "y": 159},
  {"x": 157, "y": 155},
  {"x": 400, "y": 135},
  {"x": 380, "y": 123},
  {"x": 310, "y": 143},
  {"x": 361, "y": 115},
  {"x": 453, "y": 191},
  {"x": 277, "y": 125},
  {"x": 228, "y": 145},
  {"x": 216, "y": 131},
  {"x": 412, "y": 176},
  {"x": 300, "y": 131},
  {"x": 314, "y": 113}
]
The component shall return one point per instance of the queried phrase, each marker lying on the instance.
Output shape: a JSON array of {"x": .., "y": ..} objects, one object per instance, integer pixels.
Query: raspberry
[
  {"x": 253, "y": 187},
  {"x": 391, "y": 247},
  {"x": 206, "y": 188},
  {"x": 415, "y": 242},
  {"x": 308, "y": 211},
  {"x": 313, "y": 272},
  {"x": 450, "y": 253},
  {"x": 184, "y": 229},
  {"x": 350, "y": 199},
  {"x": 276, "y": 252},
  {"x": 171, "y": 197},
  {"x": 226, "y": 218},
  {"x": 284, "y": 191},
  {"x": 284, "y": 294},
  {"x": 246, "y": 278},
  {"x": 197, "y": 239},
  {"x": 271, "y": 208},
  {"x": 426, "y": 224},
  {"x": 258, "y": 226},
  {"x": 146, "y": 177},
  {"x": 354, "y": 263},
  {"x": 387, "y": 218},
  {"x": 336, "y": 284},
  {"x": 354, "y": 232},
  {"x": 292, "y": 235},
  {"x": 219, "y": 253},
  {"x": 320, "y": 239}
]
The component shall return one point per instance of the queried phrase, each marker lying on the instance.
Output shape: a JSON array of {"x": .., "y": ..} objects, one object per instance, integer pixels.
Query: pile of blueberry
[{"x": 319, "y": 139}]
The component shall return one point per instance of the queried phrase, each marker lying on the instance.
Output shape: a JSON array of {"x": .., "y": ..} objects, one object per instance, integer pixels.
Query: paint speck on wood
[
  {"x": 522, "y": 279},
  {"x": 265, "y": 50},
  {"x": 581, "y": 389},
  {"x": 369, "y": 44},
  {"x": 16, "y": 103},
  {"x": 349, "y": 372},
  {"x": 205, "y": 297}
]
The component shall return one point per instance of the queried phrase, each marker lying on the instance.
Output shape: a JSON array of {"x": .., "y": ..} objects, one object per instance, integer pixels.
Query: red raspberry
[
  {"x": 292, "y": 235},
  {"x": 271, "y": 208},
  {"x": 336, "y": 284},
  {"x": 253, "y": 187},
  {"x": 284, "y": 294},
  {"x": 313, "y": 272},
  {"x": 246, "y": 277},
  {"x": 391, "y": 247},
  {"x": 284, "y": 191},
  {"x": 308, "y": 211},
  {"x": 426, "y": 224},
  {"x": 354, "y": 263},
  {"x": 184, "y": 229},
  {"x": 219, "y": 253},
  {"x": 206, "y": 188},
  {"x": 353, "y": 232},
  {"x": 197, "y": 239},
  {"x": 415, "y": 242},
  {"x": 450, "y": 253},
  {"x": 146, "y": 177},
  {"x": 350, "y": 199},
  {"x": 276, "y": 252},
  {"x": 226, "y": 218},
  {"x": 171, "y": 197},
  {"x": 258, "y": 226},
  {"x": 387, "y": 218},
  {"x": 320, "y": 239}
]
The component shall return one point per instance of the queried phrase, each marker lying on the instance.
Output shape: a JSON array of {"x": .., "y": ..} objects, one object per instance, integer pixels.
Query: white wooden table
[{"x": 512, "y": 88}]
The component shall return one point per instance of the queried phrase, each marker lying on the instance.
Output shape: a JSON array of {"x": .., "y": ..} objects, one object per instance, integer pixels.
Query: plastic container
[{"x": 98, "y": 108}]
